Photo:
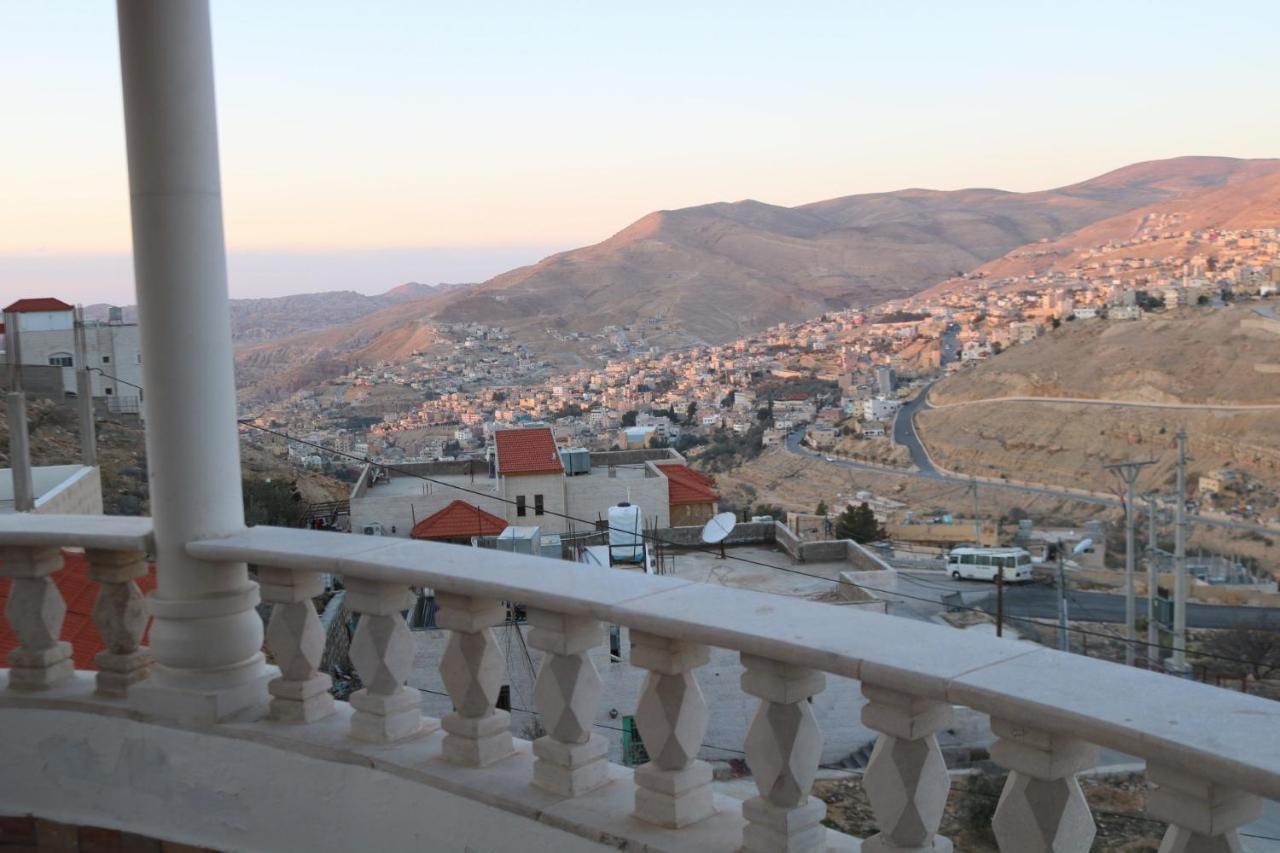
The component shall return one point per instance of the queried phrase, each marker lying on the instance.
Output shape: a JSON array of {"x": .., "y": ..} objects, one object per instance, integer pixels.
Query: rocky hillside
[
  {"x": 122, "y": 458},
  {"x": 1191, "y": 355}
]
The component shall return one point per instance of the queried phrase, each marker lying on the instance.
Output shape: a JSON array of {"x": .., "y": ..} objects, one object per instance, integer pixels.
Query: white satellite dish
[{"x": 718, "y": 529}]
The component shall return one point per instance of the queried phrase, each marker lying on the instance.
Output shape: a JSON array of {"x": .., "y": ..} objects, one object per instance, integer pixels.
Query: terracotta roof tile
[
  {"x": 687, "y": 486},
  {"x": 527, "y": 451},
  {"x": 456, "y": 521}
]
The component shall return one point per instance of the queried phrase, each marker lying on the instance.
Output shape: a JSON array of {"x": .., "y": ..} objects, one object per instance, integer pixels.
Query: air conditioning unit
[{"x": 373, "y": 529}]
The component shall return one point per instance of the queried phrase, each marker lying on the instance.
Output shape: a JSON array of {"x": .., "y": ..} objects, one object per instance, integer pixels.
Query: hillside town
[{"x": 844, "y": 373}]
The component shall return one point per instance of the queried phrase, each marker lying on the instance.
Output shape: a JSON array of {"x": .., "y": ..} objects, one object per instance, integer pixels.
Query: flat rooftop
[
  {"x": 707, "y": 567},
  {"x": 404, "y": 486}
]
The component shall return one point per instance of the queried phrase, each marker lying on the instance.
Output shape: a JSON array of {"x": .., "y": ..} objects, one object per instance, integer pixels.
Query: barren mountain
[
  {"x": 719, "y": 271},
  {"x": 1240, "y": 194},
  {"x": 722, "y": 270}
]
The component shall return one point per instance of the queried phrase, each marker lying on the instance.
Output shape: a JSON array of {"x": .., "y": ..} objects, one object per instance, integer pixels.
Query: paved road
[
  {"x": 1123, "y": 404},
  {"x": 904, "y": 432},
  {"x": 1040, "y": 601}
]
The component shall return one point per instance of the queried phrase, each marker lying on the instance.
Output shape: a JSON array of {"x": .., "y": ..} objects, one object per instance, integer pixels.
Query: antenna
[{"x": 718, "y": 529}]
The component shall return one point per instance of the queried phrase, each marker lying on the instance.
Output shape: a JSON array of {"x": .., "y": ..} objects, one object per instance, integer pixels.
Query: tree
[
  {"x": 772, "y": 510},
  {"x": 1056, "y": 322},
  {"x": 629, "y": 418},
  {"x": 693, "y": 410},
  {"x": 821, "y": 509},
  {"x": 273, "y": 502},
  {"x": 859, "y": 524},
  {"x": 1258, "y": 644}
]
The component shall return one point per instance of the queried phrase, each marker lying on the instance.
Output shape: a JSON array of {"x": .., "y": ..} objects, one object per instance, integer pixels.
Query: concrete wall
[
  {"x": 77, "y": 494},
  {"x": 552, "y": 489},
  {"x": 748, "y": 533},
  {"x": 634, "y": 457},
  {"x": 235, "y": 790},
  {"x": 591, "y": 496},
  {"x": 43, "y": 380},
  {"x": 59, "y": 489}
]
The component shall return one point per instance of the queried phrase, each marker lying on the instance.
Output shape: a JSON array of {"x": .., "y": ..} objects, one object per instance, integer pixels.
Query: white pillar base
[
  {"x": 237, "y": 694},
  {"x": 570, "y": 769}
]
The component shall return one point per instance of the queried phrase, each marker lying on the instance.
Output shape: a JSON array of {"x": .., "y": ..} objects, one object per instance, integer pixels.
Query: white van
[{"x": 981, "y": 564}]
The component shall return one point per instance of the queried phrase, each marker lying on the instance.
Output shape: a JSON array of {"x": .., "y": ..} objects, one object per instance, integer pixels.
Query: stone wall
[{"x": 745, "y": 533}]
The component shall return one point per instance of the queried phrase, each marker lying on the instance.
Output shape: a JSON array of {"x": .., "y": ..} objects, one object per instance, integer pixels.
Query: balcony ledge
[{"x": 78, "y": 758}]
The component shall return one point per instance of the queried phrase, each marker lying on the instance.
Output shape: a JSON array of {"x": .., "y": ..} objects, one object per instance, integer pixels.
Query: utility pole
[
  {"x": 1128, "y": 473},
  {"x": 1153, "y": 581},
  {"x": 1064, "y": 643},
  {"x": 1000, "y": 601},
  {"x": 84, "y": 395},
  {"x": 977, "y": 521},
  {"x": 1179, "y": 660},
  {"x": 16, "y": 406}
]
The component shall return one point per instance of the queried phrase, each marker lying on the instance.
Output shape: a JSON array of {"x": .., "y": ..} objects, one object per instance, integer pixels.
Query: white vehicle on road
[{"x": 981, "y": 564}]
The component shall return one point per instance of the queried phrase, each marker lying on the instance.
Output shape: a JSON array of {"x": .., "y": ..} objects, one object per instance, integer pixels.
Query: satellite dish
[{"x": 718, "y": 528}]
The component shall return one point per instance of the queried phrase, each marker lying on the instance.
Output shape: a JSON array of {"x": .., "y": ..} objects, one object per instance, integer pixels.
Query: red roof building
[
  {"x": 687, "y": 486},
  {"x": 44, "y": 303},
  {"x": 690, "y": 495},
  {"x": 79, "y": 592},
  {"x": 527, "y": 451},
  {"x": 458, "y": 522}
]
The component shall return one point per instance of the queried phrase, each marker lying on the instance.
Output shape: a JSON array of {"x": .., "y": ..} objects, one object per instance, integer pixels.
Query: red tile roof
[
  {"x": 527, "y": 451},
  {"x": 687, "y": 486},
  {"x": 79, "y": 592},
  {"x": 45, "y": 303},
  {"x": 457, "y": 521}
]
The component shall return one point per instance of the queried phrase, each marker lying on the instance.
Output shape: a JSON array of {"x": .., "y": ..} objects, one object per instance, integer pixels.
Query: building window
[
  {"x": 106, "y": 359},
  {"x": 520, "y": 508},
  {"x": 61, "y": 359},
  {"x": 537, "y": 504},
  {"x": 109, "y": 391}
]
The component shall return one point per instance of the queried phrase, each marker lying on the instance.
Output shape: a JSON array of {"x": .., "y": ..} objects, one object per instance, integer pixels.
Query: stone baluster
[
  {"x": 1042, "y": 807},
  {"x": 673, "y": 789},
  {"x": 784, "y": 747},
  {"x": 382, "y": 651},
  {"x": 35, "y": 613},
  {"x": 570, "y": 758},
  {"x": 1203, "y": 816},
  {"x": 295, "y": 639},
  {"x": 120, "y": 614},
  {"x": 476, "y": 733},
  {"x": 906, "y": 779}
]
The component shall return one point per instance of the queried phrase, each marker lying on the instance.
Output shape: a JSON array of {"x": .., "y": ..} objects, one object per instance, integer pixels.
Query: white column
[
  {"x": 906, "y": 779},
  {"x": 784, "y": 747},
  {"x": 1204, "y": 816},
  {"x": 207, "y": 637},
  {"x": 35, "y": 612},
  {"x": 571, "y": 758},
  {"x": 1042, "y": 808}
]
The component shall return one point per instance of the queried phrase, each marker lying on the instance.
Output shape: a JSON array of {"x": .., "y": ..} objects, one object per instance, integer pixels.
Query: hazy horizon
[{"x": 478, "y": 139}]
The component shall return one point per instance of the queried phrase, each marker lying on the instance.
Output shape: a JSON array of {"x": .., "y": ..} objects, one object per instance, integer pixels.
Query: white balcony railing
[{"x": 1210, "y": 751}]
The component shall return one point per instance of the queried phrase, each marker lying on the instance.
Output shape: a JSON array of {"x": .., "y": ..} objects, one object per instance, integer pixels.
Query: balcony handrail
[
  {"x": 1183, "y": 725},
  {"x": 105, "y": 532}
]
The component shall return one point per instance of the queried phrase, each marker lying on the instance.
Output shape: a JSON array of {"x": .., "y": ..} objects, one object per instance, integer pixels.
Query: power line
[{"x": 704, "y": 549}]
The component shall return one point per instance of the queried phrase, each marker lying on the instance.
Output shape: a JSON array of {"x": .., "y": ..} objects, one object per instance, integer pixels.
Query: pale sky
[{"x": 368, "y": 144}]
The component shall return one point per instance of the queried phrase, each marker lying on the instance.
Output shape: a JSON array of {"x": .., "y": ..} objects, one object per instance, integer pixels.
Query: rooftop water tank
[{"x": 626, "y": 542}]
